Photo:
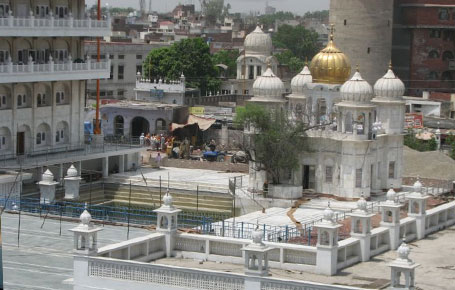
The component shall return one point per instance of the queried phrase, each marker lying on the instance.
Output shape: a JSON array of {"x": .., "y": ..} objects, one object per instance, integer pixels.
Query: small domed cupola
[
  {"x": 389, "y": 86},
  {"x": 268, "y": 85},
  {"x": 356, "y": 90},
  {"x": 258, "y": 42},
  {"x": 299, "y": 81}
]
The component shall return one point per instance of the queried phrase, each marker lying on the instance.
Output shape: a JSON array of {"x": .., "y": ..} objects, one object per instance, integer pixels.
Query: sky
[{"x": 295, "y": 6}]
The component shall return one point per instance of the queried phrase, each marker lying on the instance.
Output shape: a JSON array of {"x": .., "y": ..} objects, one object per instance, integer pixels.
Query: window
[
  {"x": 138, "y": 56},
  {"x": 120, "y": 93},
  {"x": 57, "y": 137},
  {"x": 358, "y": 178},
  {"x": 433, "y": 75},
  {"x": 111, "y": 74},
  {"x": 329, "y": 174},
  {"x": 444, "y": 14},
  {"x": 2, "y": 101},
  {"x": 251, "y": 72},
  {"x": 121, "y": 56},
  {"x": 369, "y": 50},
  {"x": 111, "y": 56},
  {"x": 435, "y": 33},
  {"x": 345, "y": 22},
  {"x": 110, "y": 93},
  {"x": 259, "y": 70},
  {"x": 39, "y": 100},
  {"x": 139, "y": 69},
  {"x": 38, "y": 138},
  {"x": 121, "y": 70},
  {"x": 392, "y": 169},
  {"x": 4, "y": 56},
  {"x": 4, "y": 10},
  {"x": 447, "y": 55},
  {"x": 433, "y": 54},
  {"x": 2, "y": 142},
  {"x": 20, "y": 99}
]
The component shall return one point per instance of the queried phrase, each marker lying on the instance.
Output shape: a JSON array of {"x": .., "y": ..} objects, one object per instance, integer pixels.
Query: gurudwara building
[{"x": 355, "y": 145}]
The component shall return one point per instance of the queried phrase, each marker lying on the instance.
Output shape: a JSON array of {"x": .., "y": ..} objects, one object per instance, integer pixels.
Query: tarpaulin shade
[{"x": 203, "y": 123}]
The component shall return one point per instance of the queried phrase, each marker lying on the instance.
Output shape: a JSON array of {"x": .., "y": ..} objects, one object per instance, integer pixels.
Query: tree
[
  {"x": 269, "y": 20},
  {"x": 190, "y": 57},
  {"x": 215, "y": 10},
  {"x": 276, "y": 146},
  {"x": 294, "y": 63},
  {"x": 322, "y": 15},
  {"x": 229, "y": 58},
  {"x": 303, "y": 43}
]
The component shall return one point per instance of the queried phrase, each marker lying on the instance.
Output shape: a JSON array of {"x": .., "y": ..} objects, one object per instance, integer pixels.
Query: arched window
[
  {"x": 118, "y": 126},
  {"x": 444, "y": 14},
  {"x": 433, "y": 75},
  {"x": 447, "y": 55},
  {"x": 433, "y": 54},
  {"x": 57, "y": 97},
  {"x": 348, "y": 122},
  {"x": 447, "y": 76},
  {"x": 39, "y": 100},
  {"x": 19, "y": 100},
  {"x": 38, "y": 138},
  {"x": 57, "y": 137}
]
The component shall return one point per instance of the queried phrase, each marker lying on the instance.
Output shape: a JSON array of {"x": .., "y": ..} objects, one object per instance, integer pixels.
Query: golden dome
[{"x": 330, "y": 65}]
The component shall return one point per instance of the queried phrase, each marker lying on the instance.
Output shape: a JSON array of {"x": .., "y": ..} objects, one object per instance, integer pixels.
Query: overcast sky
[{"x": 296, "y": 6}]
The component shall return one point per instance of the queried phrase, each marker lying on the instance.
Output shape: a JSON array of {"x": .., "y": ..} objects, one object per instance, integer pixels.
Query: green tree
[
  {"x": 303, "y": 43},
  {"x": 190, "y": 57},
  {"x": 229, "y": 58},
  {"x": 294, "y": 63},
  {"x": 322, "y": 15},
  {"x": 215, "y": 11},
  {"x": 276, "y": 146},
  {"x": 269, "y": 20}
]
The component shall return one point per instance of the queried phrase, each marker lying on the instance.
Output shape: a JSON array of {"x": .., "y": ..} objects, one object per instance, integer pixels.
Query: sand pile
[{"x": 433, "y": 165}]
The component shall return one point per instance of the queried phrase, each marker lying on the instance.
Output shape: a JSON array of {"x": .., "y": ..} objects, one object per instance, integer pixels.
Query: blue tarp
[{"x": 88, "y": 128}]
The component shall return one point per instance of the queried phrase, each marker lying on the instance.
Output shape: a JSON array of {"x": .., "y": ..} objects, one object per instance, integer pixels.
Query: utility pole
[{"x": 97, "y": 130}]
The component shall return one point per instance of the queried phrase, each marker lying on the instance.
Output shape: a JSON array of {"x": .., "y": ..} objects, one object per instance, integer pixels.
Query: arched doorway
[
  {"x": 139, "y": 125},
  {"x": 119, "y": 124}
]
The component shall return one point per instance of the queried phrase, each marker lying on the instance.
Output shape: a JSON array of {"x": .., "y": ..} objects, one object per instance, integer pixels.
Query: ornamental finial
[{"x": 332, "y": 30}]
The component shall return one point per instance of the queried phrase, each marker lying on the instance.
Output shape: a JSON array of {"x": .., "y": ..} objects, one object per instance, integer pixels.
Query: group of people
[{"x": 158, "y": 142}]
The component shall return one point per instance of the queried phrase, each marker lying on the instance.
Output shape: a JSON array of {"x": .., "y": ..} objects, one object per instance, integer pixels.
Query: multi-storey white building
[{"x": 43, "y": 74}]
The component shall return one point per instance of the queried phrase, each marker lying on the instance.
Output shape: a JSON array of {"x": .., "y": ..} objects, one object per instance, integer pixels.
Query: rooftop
[{"x": 435, "y": 272}]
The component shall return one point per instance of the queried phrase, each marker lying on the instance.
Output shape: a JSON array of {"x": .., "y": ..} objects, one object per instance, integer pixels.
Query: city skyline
[{"x": 295, "y": 6}]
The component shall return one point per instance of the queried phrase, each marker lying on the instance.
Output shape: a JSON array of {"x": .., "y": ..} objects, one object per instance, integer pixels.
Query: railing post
[
  {"x": 10, "y": 19},
  {"x": 70, "y": 19},
  {"x": 30, "y": 63},
  {"x": 51, "y": 18},
  {"x": 32, "y": 19},
  {"x": 70, "y": 62},
  {"x": 51, "y": 63}
]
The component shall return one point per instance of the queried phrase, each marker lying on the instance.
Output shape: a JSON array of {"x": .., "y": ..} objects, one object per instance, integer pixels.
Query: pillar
[
  {"x": 105, "y": 166},
  {"x": 167, "y": 222},
  {"x": 390, "y": 218},
  {"x": 361, "y": 228},
  {"x": 72, "y": 183},
  {"x": 60, "y": 174},
  {"x": 417, "y": 203},
  {"x": 327, "y": 245},
  {"x": 121, "y": 163},
  {"x": 47, "y": 187}
]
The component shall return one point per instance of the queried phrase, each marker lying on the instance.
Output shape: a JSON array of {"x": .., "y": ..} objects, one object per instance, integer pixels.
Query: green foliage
[
  {"x": 278, "y": 141},
  {"x": 190, "y": 56},
  {"x": 229, "y": 58},
  {"x": 303, "y": 43},
  {"x": 420, "y": 145},
  {"x": 321, "y": 15},
  {"x": 295, "y": 64},
  {"x": 121, "y": 10},
  {"x": 269, "y": 20},
  {"x": 450, "y": 140},
  {"x": 215, "y": 11}
]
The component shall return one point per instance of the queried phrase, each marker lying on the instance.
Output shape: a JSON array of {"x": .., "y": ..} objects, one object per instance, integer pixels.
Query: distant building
[
  {"x": 269, "y": 10},
  {"x": 424, "y": 44},
  {"x": 126, "y": 61}
]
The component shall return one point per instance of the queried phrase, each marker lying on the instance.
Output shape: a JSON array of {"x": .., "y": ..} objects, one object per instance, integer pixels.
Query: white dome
[
  {"x": 258, "y": 42},
  {"x": 167, "y": 200},
  {"x": 328, "y": 214},
  {"x": 356, "y": 90},
  {"x": 48, "y": 176},
  {"x": 403, "y": 251},
  {"x": 418, "y": 186},
  {"x": 362, "y": 204},
  {"x": 268, "y": 85},
  {"x": 85, "y": 218},
  {"x": 391, "y": 195},
  {"x": 257, "y": 236},
  {"x": 389, "y": 86},
  {"x": 72, "y": 172},
  {"x": 299, "y": 81}
]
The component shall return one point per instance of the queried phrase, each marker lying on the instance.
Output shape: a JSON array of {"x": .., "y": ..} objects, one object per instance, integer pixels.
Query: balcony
[
  {"x": 53, "y": 27},
  {"x": 31, "y": 72}
]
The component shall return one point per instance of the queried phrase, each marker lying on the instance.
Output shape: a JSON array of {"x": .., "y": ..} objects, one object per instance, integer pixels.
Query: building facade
[
  {"x": 424, "y": 45},
  {"x": 126, "y": 61},
  {"x": 356, "y": 144},
  {"x": 43, "y": 73}
]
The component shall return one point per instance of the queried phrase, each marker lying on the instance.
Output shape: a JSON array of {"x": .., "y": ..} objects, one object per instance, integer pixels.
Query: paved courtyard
[{"x": 44, "y": 259}]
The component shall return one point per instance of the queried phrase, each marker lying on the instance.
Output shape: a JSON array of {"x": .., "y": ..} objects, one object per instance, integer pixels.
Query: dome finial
[
  {"x": 306, "y": 60},
  {"x": 390, "y": 64},
  {"x": 332, "y": 30},
  {"x": 269, "y": 64},
  {"x": 357, "y": 68}
]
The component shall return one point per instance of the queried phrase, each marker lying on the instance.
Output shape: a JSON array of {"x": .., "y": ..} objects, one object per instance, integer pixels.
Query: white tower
[
  {"x": 327, "y": 246},
  {"x": 72, "y": 182},
  {"x": 390, "y": 217},
  {"x": 364, "y": 29},
  {"x": 167, "y": 222},
  {"x": 47, "y": 187},
  {"x": 361, "y": 227},
  {"x": 403, "y": 265}
]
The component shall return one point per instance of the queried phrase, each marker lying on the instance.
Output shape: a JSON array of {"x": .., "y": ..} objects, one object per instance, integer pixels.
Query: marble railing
[
  {"x": 164, "y": 275},
  {"x": 348, "y": 253},
  {"x": 51, "y": 26},
  {"x": 440, "y": 217}
]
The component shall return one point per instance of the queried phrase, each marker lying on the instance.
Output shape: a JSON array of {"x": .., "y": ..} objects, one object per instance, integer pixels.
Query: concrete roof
[{"x": 138, "y": 105}]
